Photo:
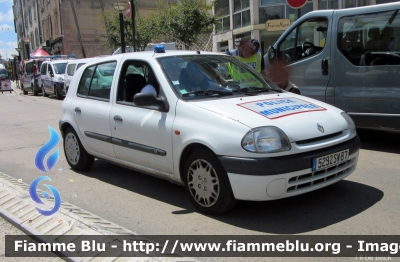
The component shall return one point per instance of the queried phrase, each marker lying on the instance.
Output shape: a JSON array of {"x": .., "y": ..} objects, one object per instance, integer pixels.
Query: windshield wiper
[
  {"x": 209, "y": 92},
  {"x": 253, "y": 89}
]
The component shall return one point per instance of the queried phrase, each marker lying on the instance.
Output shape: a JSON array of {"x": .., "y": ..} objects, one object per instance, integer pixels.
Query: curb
[{"x": 18, "y": 208}]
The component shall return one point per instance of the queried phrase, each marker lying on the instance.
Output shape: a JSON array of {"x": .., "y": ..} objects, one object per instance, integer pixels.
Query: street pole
[
  {"x": 133, "y": 25},
  {"x": 121, "y": 28},
  {"x": 27, "y": 50}
]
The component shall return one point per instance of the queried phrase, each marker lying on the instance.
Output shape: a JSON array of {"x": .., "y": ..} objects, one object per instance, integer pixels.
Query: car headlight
[
  {"x": 265, "y": 140},
  {"x": 350, "y": 122}
]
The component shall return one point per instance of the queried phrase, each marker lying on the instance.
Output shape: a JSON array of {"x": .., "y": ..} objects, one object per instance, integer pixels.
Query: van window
[
  {"x": 306, "y": 40},
  {"x": 71, "y": 69},
  {"x": 29, "y": 67},
  {"x": 370, "y": 39},
  {"x": 79, "y": 65},
  {"x": 43, "y": 69}
]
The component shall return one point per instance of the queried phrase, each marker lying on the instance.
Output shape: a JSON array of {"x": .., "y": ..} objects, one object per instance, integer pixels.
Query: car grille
[
  {"x": 307, "y": 141},
  {"x": 330, "y": 175}
]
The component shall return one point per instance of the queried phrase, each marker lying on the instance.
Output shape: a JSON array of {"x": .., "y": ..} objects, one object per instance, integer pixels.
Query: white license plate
[{"x": 334, "y": 159}]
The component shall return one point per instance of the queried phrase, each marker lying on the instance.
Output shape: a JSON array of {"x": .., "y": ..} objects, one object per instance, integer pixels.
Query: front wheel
[
  {"x": 207, "y": 183},
  {"x": 77, "y": 157}
]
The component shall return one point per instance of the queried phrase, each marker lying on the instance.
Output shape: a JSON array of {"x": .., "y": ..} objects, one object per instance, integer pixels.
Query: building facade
[
  {"x": 66, "y": 26},
  {"x": 265, "y": 20}
]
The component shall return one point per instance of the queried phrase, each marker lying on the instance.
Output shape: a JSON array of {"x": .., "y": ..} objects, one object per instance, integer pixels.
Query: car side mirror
[
  {"x": 149, "y": 99},
  {"x": 271, "y": 54},
  {"x": 51, "y": 74}
]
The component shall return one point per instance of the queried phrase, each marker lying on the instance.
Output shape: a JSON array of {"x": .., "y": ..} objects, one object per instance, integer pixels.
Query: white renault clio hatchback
[{"x": 224, "y": 136}]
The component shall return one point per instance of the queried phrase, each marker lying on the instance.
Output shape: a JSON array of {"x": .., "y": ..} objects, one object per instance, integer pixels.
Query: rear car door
[{"x": 92, "y": 106}]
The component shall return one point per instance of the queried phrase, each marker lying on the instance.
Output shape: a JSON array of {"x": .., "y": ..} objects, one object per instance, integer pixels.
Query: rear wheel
[
  {"x": 23, "y": 89},
  {"x": 207, "y": 183},
  {"x": 77, "y": 157}
]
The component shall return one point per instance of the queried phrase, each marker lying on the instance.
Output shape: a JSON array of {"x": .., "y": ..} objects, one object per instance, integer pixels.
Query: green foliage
[
  {"x": 182, "y": 22},
  {"x": 186, "y": 19},
  {"x": 145, "y": 30}
]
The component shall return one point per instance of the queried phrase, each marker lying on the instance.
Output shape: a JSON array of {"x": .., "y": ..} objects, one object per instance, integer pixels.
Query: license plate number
[{"x": 324, "y": 162}]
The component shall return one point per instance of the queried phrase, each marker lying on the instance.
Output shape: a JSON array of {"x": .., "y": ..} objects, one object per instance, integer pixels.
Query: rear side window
[
  {"x": 96, "y": 81},
  {"x": 71, "y": 69},
  {"x": 43, "y": 69},
  {"x": 370, "y": 39}
]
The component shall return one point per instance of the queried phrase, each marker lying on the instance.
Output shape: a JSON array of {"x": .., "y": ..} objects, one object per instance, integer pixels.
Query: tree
[
  {"x": 182, "y": 21},
  {"x": 145, "y": 30},
  {"x": 186, "y": 19}
]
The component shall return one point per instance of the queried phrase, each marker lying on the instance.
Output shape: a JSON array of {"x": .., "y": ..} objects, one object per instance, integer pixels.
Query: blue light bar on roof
[{"x": 159, "y": 49}]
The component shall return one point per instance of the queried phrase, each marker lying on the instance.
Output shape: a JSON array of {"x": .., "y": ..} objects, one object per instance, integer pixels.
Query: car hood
[{"x": 298, "y": 116}]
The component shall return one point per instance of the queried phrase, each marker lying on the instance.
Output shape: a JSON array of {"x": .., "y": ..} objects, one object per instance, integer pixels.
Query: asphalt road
[{"x": 365, "y": 203}]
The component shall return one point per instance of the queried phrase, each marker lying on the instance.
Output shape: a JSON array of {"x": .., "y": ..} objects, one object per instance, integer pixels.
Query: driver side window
[{"x": 308, "y": 39}]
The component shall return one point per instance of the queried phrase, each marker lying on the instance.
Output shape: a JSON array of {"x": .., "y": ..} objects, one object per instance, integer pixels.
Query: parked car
[
  {"x": 225, "y": 138},
  {"x": 3, "y": 72},
  {"x": 30, "y": 76},
  {"x": 349, "y": 58},
  {"x": 52, "y": 77},
  {"x": 72, "y": 66}
]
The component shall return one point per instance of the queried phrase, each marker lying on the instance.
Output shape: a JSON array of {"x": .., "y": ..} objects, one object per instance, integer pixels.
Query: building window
[
  {"x": 354, "y": 3},
  {"x": 328, "y": 4},
  {"x": 278, "y": 9},
  {"x": 49, "y": 28},
  {"x": 37, "y": 36},
  {"x": 34, "y": 13},
  {"x": 241, "y": 15},
  {"x": 30, "y": 15},
  {"x": 221, "y": 10},
  {"x": 44, "y": 30},
  {"x": 55, "y": 23},
  {"x": 32, "y": 42},
  {"x": 26, "y": 19}
]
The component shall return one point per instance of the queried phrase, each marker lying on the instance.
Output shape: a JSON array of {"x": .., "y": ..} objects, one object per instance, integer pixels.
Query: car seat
[{"x": 374, "y": 43}]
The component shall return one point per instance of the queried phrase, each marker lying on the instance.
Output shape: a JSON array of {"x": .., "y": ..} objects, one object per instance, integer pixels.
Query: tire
[
  {"x": 23, "y": 89},
  {"x": 77, "y": 157},
  {"x": 204, "y": 172},
  {"x": 35, "y": 93},
  {"x": 57, "y": 93},
  {"x": 44, "y": 92}
]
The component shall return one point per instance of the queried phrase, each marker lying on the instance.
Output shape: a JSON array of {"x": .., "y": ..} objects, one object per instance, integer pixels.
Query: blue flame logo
[
  {"x": 51, "y": 161},
  {"x": 35, "y": 197},
  {"x": 46, "y": 148}
]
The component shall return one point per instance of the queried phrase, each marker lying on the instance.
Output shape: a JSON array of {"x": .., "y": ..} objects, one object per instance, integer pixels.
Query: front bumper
[{"x": 285, "y": 176}]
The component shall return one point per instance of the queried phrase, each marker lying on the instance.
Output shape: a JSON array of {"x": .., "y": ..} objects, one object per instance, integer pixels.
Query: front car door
[
  {"x": 305, "y": 49},
  {"x": 368, "y": 52},
  {"x": 142, "y": 136}
]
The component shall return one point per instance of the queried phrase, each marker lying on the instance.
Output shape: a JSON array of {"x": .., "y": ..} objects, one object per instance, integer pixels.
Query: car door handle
[
  {"x": 117, "y": 118},
  {"x": 324, "y": 67},
  {"x": 77, "y": 110}
]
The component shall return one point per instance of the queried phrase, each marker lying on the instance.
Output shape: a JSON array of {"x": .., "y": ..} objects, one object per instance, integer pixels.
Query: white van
[
  {"x": 72, "y": 66},
  {"x": 349, "y": 58}
]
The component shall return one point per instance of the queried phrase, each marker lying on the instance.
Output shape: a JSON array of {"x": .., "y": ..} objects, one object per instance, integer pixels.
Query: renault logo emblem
[{"x": 320, "y": 128}]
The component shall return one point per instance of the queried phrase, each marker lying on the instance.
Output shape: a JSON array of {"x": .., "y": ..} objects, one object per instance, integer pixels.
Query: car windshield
[
  {"x": 199, "y": 76},
  {"x": 60, "y": 68},
  {"x": 3, "y": 73}
]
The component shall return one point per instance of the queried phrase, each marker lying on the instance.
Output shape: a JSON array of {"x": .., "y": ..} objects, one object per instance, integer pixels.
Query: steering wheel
[{"x": 305, "y": 44}]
